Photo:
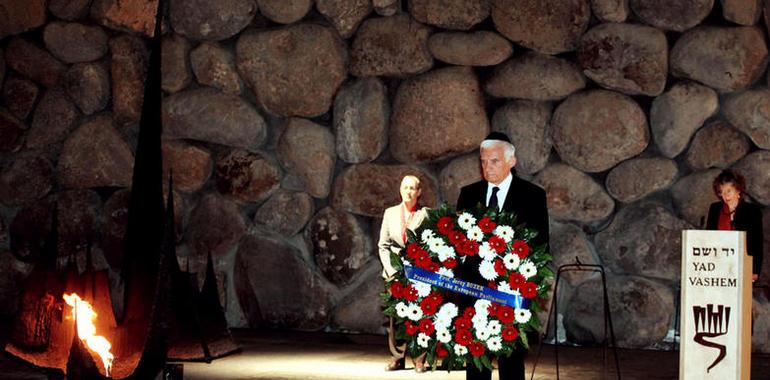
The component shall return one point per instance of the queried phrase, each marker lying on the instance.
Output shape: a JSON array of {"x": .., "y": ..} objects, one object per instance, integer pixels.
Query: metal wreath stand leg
[{"x": 579, "y": 267}]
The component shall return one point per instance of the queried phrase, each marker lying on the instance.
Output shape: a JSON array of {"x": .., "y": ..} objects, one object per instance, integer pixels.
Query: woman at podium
[{"x": 734, "y": 213}]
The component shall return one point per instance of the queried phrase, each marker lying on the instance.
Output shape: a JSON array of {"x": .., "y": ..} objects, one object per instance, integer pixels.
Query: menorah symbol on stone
[{"x": 710, "y": 323}]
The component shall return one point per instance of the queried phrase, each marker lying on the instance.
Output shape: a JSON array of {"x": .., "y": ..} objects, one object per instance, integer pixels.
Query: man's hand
[{"x": 754, "y": 277}]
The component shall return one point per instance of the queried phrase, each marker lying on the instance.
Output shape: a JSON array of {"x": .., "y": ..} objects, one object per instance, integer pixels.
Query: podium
[{"x": 715, "y": 340}]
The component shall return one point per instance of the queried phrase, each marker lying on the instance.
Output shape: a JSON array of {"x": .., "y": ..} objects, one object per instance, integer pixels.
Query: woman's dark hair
[{"x": 732, "y": 177}]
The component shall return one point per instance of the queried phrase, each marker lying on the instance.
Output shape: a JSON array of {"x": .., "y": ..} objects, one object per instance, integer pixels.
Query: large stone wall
[{"x": 288, "y": 125}]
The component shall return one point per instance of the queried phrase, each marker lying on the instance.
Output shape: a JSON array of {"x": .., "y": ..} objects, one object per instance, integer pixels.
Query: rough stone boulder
[
  {"x": 750, "y": 113},
  {"x": 189, "y": 165},
  {"x": 129, "y": 60},
  {"x": 535, "y": 76},
  {"x": 339, "y": 243},
  {"x": 19, "y": 96},
  {"x": 629, "y": 58},
  {"x": 725, "y": 58},
  {"x": 284, "y": 11},
  {"x": 573, "y": 195},
  {"x": 459, "y": 172},
  {"x": 127, "y": 15},
  {"x": 547, "y": 26},
  {"x": 437, "y": 115},
  {"x": 361, "y": 116},
  {"x": 756, "y": 168},
  {"x": 95, "y": 155},
  {"x": 11, "y": 132},
  {"x": 527, "y": 124},
  {"x": 25, "y": 180},
  {"x": 567, "y": 243},
  {"x": 394, "y": 46},
  {"x": 693, "y": 195},
  {"x": 306, "y": 150},
  {"x": 69, "y": 9},
  {"x": 743, "y": 12},
  {"x": 214, "y": 66},
  {"x": 597, "y": 129},
  {"x": 174, "y": 63},
  {"x": 286, "y": 212},
  {"x": 88, "y": 86},
  {"x": 209, "y": 115},
  {"x": 30, "y": 228},
  {"x": 344, "y": 15},
  {"x": 79, "y": 216},
  {"x": 294, "y": 71},
  {"x": 641, "y": 311},
  {"x": 247, "y": 177},
  {"x": 368, "y": 189},
  {"x": 611, "y": 10},
  {"x": 277, "y": 288},
  {"x": 643, "y": 239},
  {"x": 33, "y": 62},
  {"x": 452, "y": 14},
  {"x": 481, "y": 48},
  {"x": 216, "y": 239},
  {"x": 760, "y": 311},
  {"x": 74, "y": 42},
  {"x": 54, "y": 118},
  {"x": 638, "y": 177},
  {"x": 361, "y": 310},
  {"x": 676, "y": 15},
  {"x": 21, "y": 16},
  {"x": 210, "y": 20},
  {"x": 678, "y": 113},
  {"x": 717, "y": 145}
]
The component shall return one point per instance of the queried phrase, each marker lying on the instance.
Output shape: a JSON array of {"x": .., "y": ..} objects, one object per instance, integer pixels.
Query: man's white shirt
[{"x": 502, "y": 193}]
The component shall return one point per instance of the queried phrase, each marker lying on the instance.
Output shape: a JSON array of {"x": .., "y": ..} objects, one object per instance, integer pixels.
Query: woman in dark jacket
[{"x": 734, "y": 213}]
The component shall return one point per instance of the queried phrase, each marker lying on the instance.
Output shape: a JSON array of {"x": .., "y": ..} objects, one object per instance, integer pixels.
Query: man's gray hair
[{"x": 508, "y": 149}]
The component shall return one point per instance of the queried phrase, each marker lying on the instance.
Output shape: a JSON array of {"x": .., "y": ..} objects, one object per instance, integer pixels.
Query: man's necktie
[{"x": 493, "y": 198}]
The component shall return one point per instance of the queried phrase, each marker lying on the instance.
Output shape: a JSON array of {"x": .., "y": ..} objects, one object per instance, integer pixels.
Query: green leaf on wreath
[
  {"x": 485, "y": 361},
  {"x": 395, "y": 261},
  {"x": 524, "y": 340}
]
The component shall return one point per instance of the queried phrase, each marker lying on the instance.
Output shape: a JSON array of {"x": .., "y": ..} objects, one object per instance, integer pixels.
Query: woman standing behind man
[
  {"x": 732, "y": 212},
  {"x": 395, "y": 222}
]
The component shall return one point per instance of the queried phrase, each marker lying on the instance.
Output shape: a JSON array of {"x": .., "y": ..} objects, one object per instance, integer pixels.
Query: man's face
[
  {"x": 494, "y": 166},
  {"x": 410, "y": 190}
]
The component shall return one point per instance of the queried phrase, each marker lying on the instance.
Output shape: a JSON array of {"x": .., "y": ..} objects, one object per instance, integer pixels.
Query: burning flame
[{"x": 84, "y": 316}]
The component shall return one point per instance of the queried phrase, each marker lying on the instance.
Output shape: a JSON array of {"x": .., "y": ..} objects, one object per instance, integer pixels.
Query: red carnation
[
  {"x": 421, "y": 255},
  {"x": 410, "y": 293},
  {"x": 469, "y": 312},
  {"x": 412, "y": 249},
  {"x": 494, "y": 308},
  {"x": 529, "y": 290},
  {"x": 506, "y": 315},
  {"x": 500, "y": 267},
  {"x": 433, "y": 267},
  {"x": 428, "y": 307},
  {"x": 397, "y": 290},
  {"x": 456, "y": 238},
  {"x": 520, "y": 248},
  {"x": 463, "y": 323},
  {"x": 510, "y": 333},
  {"x": 435, "y": 298},
  {"x": 441, "y": 352},
  {"x": 463, "y": 337},
  {"x": 516, "y": 280},
  {"x": 445, "y": 225},
  {"x": 449, "y": 263},
  {"x": 476, "y": 349},
  {"x": 424, "y": 263},
  {"x": 411, "y": 328},
  {"x": 426, "y": 326},
  {"x": 470, "y": 247},
  {"x": 487, "y": 225},
  {"x": 497, "y": 244}
]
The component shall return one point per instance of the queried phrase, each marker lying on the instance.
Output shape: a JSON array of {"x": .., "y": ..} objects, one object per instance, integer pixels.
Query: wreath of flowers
[{"x": 424, "y": 315}]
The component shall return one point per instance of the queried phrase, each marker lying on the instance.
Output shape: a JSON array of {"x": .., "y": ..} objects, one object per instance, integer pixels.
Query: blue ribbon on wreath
[{"x": 464, "y": 287}]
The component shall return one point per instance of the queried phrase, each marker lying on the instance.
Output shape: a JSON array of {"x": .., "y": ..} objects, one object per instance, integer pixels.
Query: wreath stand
[{"x": 579, "y": 267}]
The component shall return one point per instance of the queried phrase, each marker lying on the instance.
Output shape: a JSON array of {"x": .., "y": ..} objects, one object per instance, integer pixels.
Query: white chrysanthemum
[
  {"x": 402, "y": 310},
  {"x": 486, "y": 252},
  {"x": 494, "y": 344},
  {"x": 487, "y": 270},
  {"x": 482, "y": 307},
  {"x": 475, "y": 233},
  {"x": 461, "y": 350},
  {"x": 427, "y": 235},
  {"x": 494, "y": 327},
  {"x": 528, "y": 269},
  {"x": 446, "y": 272},
  {"x": 423, "y": 340},
  {"x": 483, "y": 334},
  {"x": 445, "y": 252},
  {"x": 448, "y": 310},
  {"x": 505, "y": 232},
  {"x": 504, "y": 287},
  {"x": 442, "y": 322},
  {"x": 522, "y": 315},
  {"x": 414, "y": 312},
  {"x": 443, "y": 335},
  {"x": 434, "y": 244},
  {"x": 422, "y": 288},
  {"x": 406, "y": 263},
  {"x": 466, "y": 221},
  {"x": 480, "y": 321},
  {"x": 511, "y": 261}
]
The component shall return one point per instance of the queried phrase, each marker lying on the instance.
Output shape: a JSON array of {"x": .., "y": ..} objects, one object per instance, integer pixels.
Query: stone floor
[{"x": 279, "y": 355}]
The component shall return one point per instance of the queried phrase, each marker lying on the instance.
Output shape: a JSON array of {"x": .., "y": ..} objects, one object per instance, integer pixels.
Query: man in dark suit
[{"x": 501, "y": 188}]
